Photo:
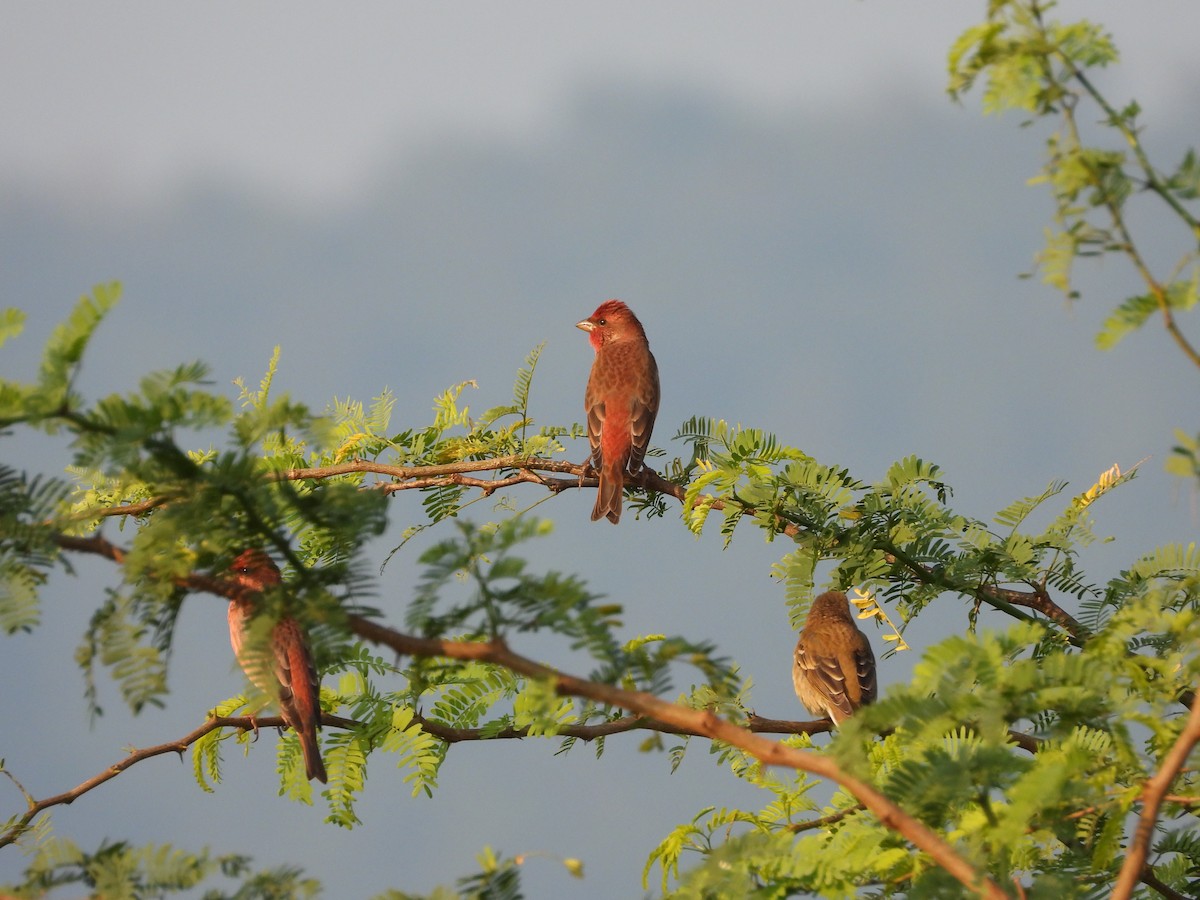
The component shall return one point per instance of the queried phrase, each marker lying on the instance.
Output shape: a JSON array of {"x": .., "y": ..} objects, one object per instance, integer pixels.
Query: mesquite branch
[
  {"x": 447, "y": 733},
  {"x": 1132, "y": 869},
  {"x": 646, "y": 711},
  {"x": 699, "y": 722},
  {"x": 561, "y": 475},
  {"x": 34, "y": 807}
]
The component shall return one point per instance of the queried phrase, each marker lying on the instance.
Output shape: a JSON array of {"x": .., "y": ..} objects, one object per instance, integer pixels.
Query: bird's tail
[
  {"x": 608, "y": 495},
  {"x": 314, "y": 766},
  {"x": 305, "y": 721}
]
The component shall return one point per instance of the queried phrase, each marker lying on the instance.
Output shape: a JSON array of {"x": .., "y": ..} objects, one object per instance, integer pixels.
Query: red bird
[
  {"x": 833, "y": 670},
  {"x": 283, "y": 671},
  {"x": 621, "y": 401}
]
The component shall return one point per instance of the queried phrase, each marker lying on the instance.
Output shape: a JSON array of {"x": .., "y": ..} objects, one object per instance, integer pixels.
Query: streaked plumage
[{"x": 833, "y": 669}]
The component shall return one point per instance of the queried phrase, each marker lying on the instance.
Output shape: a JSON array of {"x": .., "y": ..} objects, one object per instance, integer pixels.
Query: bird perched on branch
[
  {"x": 621, "y": 401},
  {"x": 281, "y": 667},
  {"x": 833, "y": 670}
]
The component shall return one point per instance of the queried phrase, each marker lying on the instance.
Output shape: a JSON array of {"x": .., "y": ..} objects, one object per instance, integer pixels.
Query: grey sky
[
  {"x": 415, "y": 194},
  {"x": 128, "y": 98}
]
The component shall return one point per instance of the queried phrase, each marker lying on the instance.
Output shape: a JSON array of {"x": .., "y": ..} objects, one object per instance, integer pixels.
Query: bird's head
[
  {"x": 830, "y": 605},
  {"x": 612, "y": 321},
  {"x": 254, "y": 570}
]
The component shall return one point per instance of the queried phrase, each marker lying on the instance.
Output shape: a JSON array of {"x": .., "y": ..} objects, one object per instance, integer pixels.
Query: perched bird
[
  {"x": 284, "y": 670},
  {"x": 621, "y": 401},
  {"x": 834, "y": 669}
]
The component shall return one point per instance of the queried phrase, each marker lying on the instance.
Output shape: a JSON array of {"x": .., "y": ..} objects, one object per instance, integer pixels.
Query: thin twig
[
  {"x": 34, "y": 807},
  {"x": 831, "y": 819},
  {"x": 527, "y": 470},
  {"x": 622, "y": 725},
  {"x": 1130, "y": 249}
]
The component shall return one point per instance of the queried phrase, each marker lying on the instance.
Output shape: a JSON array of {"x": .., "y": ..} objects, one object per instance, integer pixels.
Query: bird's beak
[{"x": 586, "y": 325}]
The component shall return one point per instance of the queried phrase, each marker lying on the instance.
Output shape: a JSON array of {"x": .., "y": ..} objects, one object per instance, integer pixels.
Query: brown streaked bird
[
  {"x": 284, "y": 671},
  {"x": 833, "y": 669},
  {"x": 621, "y": 401}
]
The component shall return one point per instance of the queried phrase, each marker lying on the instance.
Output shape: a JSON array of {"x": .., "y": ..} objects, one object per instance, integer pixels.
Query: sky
[
  {"x": 409, "y": 195},
  {"x": 132, "y": 99}
]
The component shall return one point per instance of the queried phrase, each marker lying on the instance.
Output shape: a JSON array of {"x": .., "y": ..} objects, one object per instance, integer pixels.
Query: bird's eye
[{"x": 604, "y": 321}]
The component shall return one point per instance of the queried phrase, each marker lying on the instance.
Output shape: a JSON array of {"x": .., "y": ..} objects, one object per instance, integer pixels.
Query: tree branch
[
  {"x": 622, "y": 725},
  {"x": 1115, "y": 211},
  {"x": 759, "y": 725},
  {"x": 1132, "y": 870},
  {"x": 1001, "y": 598},
  {"x": 1153, "y": 181},
  {"x": 1155, "y": 883},
  {"x": 704, "y": 723},
  {"x": 34, "y": 807},
  {"x": 527, "y": 470},
  {"x": 832, "y": 819},
  {"x": 648, "y": 711}
]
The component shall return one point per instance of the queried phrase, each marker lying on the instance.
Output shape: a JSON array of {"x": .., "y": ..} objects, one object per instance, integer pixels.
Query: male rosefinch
[
  {"x": 284, "y": 670},
  {"x": 834, "y": 669},
  {"x": 621, "y": 401}
]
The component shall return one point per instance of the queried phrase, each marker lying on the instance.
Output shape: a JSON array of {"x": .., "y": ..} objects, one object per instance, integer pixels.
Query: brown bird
[
  {"x": 833, "y": 670},
  {"x": 621, "y": 401},
  {"x": 284, "y": 670}
]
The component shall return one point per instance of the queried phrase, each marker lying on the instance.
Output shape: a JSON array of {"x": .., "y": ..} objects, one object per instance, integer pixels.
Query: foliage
[
  {"x": 1099, "y": 182},
  {"x": 117, "y": 871}
]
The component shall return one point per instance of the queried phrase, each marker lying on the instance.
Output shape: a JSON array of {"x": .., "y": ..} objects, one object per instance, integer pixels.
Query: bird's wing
[
  {"x": 299, "y": 694},
  {"x": 595, "y": 423},
  {"x": 829, "y": 676},
  {"x": 642, "y": 412},
  {"x": 864, "y": 666}
]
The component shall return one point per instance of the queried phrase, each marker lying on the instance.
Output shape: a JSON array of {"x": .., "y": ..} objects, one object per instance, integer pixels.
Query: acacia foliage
[{"x": 1093, "y": 675}]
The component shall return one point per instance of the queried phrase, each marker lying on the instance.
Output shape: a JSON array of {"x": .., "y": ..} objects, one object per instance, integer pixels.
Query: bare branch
[
  {"x": 584, "y": 732},
  {"x": 34, "y": 807},
  {"x": 759, "y": 725},
  {"x": 832, "y": 819},
  {"x": 1039, "y": 601}
]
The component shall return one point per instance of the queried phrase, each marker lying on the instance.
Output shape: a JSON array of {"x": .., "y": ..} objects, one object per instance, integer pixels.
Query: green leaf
[
  {"x": 1184, "y": 461},
  {"x": 525, "y": 380},
  {"x": 12, "y": 323},
  {"x": 1016, "y": 513},
  {"x": 66, "y": 346},
  {"x": 1056, "y": 260},
  {"x": 1185, "y": 181},
  {"x": 1129, "y": 316}
]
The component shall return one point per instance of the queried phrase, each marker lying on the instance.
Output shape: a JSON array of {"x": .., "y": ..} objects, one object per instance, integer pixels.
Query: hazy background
[{"x": 411, "y": 195}]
